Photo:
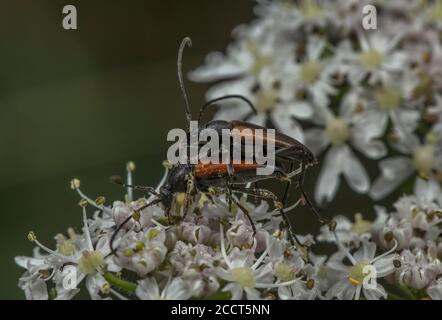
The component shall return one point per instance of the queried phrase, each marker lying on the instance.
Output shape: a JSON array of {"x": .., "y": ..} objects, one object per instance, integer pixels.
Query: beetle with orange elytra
[{"x": 222, "y": 178}]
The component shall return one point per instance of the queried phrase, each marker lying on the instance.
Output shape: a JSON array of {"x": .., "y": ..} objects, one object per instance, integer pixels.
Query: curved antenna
[
  {"x": 118, "y": 229},
  {"x": 186, "y": 41},
  {"x": 230, "y": 96},
  {"x": 119, "y": 181}
]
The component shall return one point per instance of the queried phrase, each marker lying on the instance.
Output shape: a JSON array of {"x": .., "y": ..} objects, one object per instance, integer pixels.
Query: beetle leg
[
  {"x": 306, "y": 198},
  {"x": 256, "y": 186},
  {"x": 293, "y": 238},
  {"x": 300, "y": 184},
  {"x": 167, "y": 211},
  {"x": 190, "y": 192},
  {"x": 246, "y": 212},
  {"x": 209, "y": 195},
  {"x": 260, "y": 193},
  {"x": 229, "y": 196}
]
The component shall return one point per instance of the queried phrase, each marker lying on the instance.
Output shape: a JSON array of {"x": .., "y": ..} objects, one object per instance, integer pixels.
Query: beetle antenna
[
  {"x": 114, "y": 235},
  {"x": 118, "y": 181},
  {"x": 186, "y": 41},
  {"x": 230, "y": 96}
]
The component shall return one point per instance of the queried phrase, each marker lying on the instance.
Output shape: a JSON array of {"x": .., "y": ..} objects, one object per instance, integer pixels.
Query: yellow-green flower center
[
  {"x": 337, "y": 130},
  {"x": 266, "y": 100},
  {"x": 65, "y": 247},
  {"x": 360, "y": 226},
  {"x": 371, "y": 59},
  {"x": 91, "y": 262},
  {"x": 388, "y": 98},
  {"x": 244, "y": 277},
  {"x": 309, "y": 72},
  {"x": 259, "y": 60},
  {"x": 356, "y": 275},
  {"x": 284, "y": 272},
  {"x": 424, "y": 159}
]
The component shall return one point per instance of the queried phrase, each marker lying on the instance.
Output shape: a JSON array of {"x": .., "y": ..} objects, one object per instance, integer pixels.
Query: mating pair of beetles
[{"x": 231, "y": 178}]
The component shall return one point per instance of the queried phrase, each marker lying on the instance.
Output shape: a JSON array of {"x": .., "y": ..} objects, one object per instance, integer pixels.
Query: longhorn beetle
[
  {"x": 226, "y": 178},
  {"x": 286, "y": 148}
]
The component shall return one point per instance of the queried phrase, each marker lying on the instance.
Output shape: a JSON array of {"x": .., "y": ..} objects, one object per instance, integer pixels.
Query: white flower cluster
[
  {"x": 213, "y": 253},
  {"x": 413, "y": 230},
  {"x": 315, "y": 73}
]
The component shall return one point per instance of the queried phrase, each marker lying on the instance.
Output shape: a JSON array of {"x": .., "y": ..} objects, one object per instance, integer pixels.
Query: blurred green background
[{"x": 81, "y": 103}]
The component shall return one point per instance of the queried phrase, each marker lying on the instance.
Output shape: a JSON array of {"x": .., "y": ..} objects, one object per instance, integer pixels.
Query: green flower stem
[
  {"x": 120, "y": 283},
  {"x": 392, "y": 296},
  {"x": 410, "y": 295}
]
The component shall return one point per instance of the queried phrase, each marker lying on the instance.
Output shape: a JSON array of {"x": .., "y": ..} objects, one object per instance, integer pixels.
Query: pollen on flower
[
  {"x": 309, "y": 72},
  {"x": 91, "y": 262},
  {"x": 75, "y": 184},
  {"x": 128, "y": 253},
  {"x": 139, "y": 246},
  {"x": 337, "y": 130},
  {"x": 167, "y": 164},
  {"x": 244, "y": 276},
  {"x": 371, "y": 59},
  {"x": 31, "y": 236},
  {"x": 130, "y": 166},
  {"x": 153, "y": 233},
  {"x": 105, "y": 288},
  {"x": 82, "y": 203},
  {"x": 100, "y": 201},
  {"x": 284, "y": 272},
  {"x": 356, "y": 275}
]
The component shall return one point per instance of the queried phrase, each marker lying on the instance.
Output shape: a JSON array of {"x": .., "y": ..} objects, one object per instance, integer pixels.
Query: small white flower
[
  {"x": 378, "y": 59},
  {"x": 244, "y": 274},
  {"x": 338, "y": 132},
  {"x": 33, "y": 281},
  {"x": 350, "y": 233},
  {"x": 255, "y": 49},
  {"x": 418, "y": 269},
  {"x": 435, "y": 290},
  {"x": 313, "y": 74},
  {"x": 422, "y": 159},
  {"x": 89, "y": 261},
  {"x": 143, "y": 251},
  {"x": 175, "y": 289},
  {"x": 353, "y": 277},
  {"x": 121, "y": 211},
  {"x": 195, "y": 263}
]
